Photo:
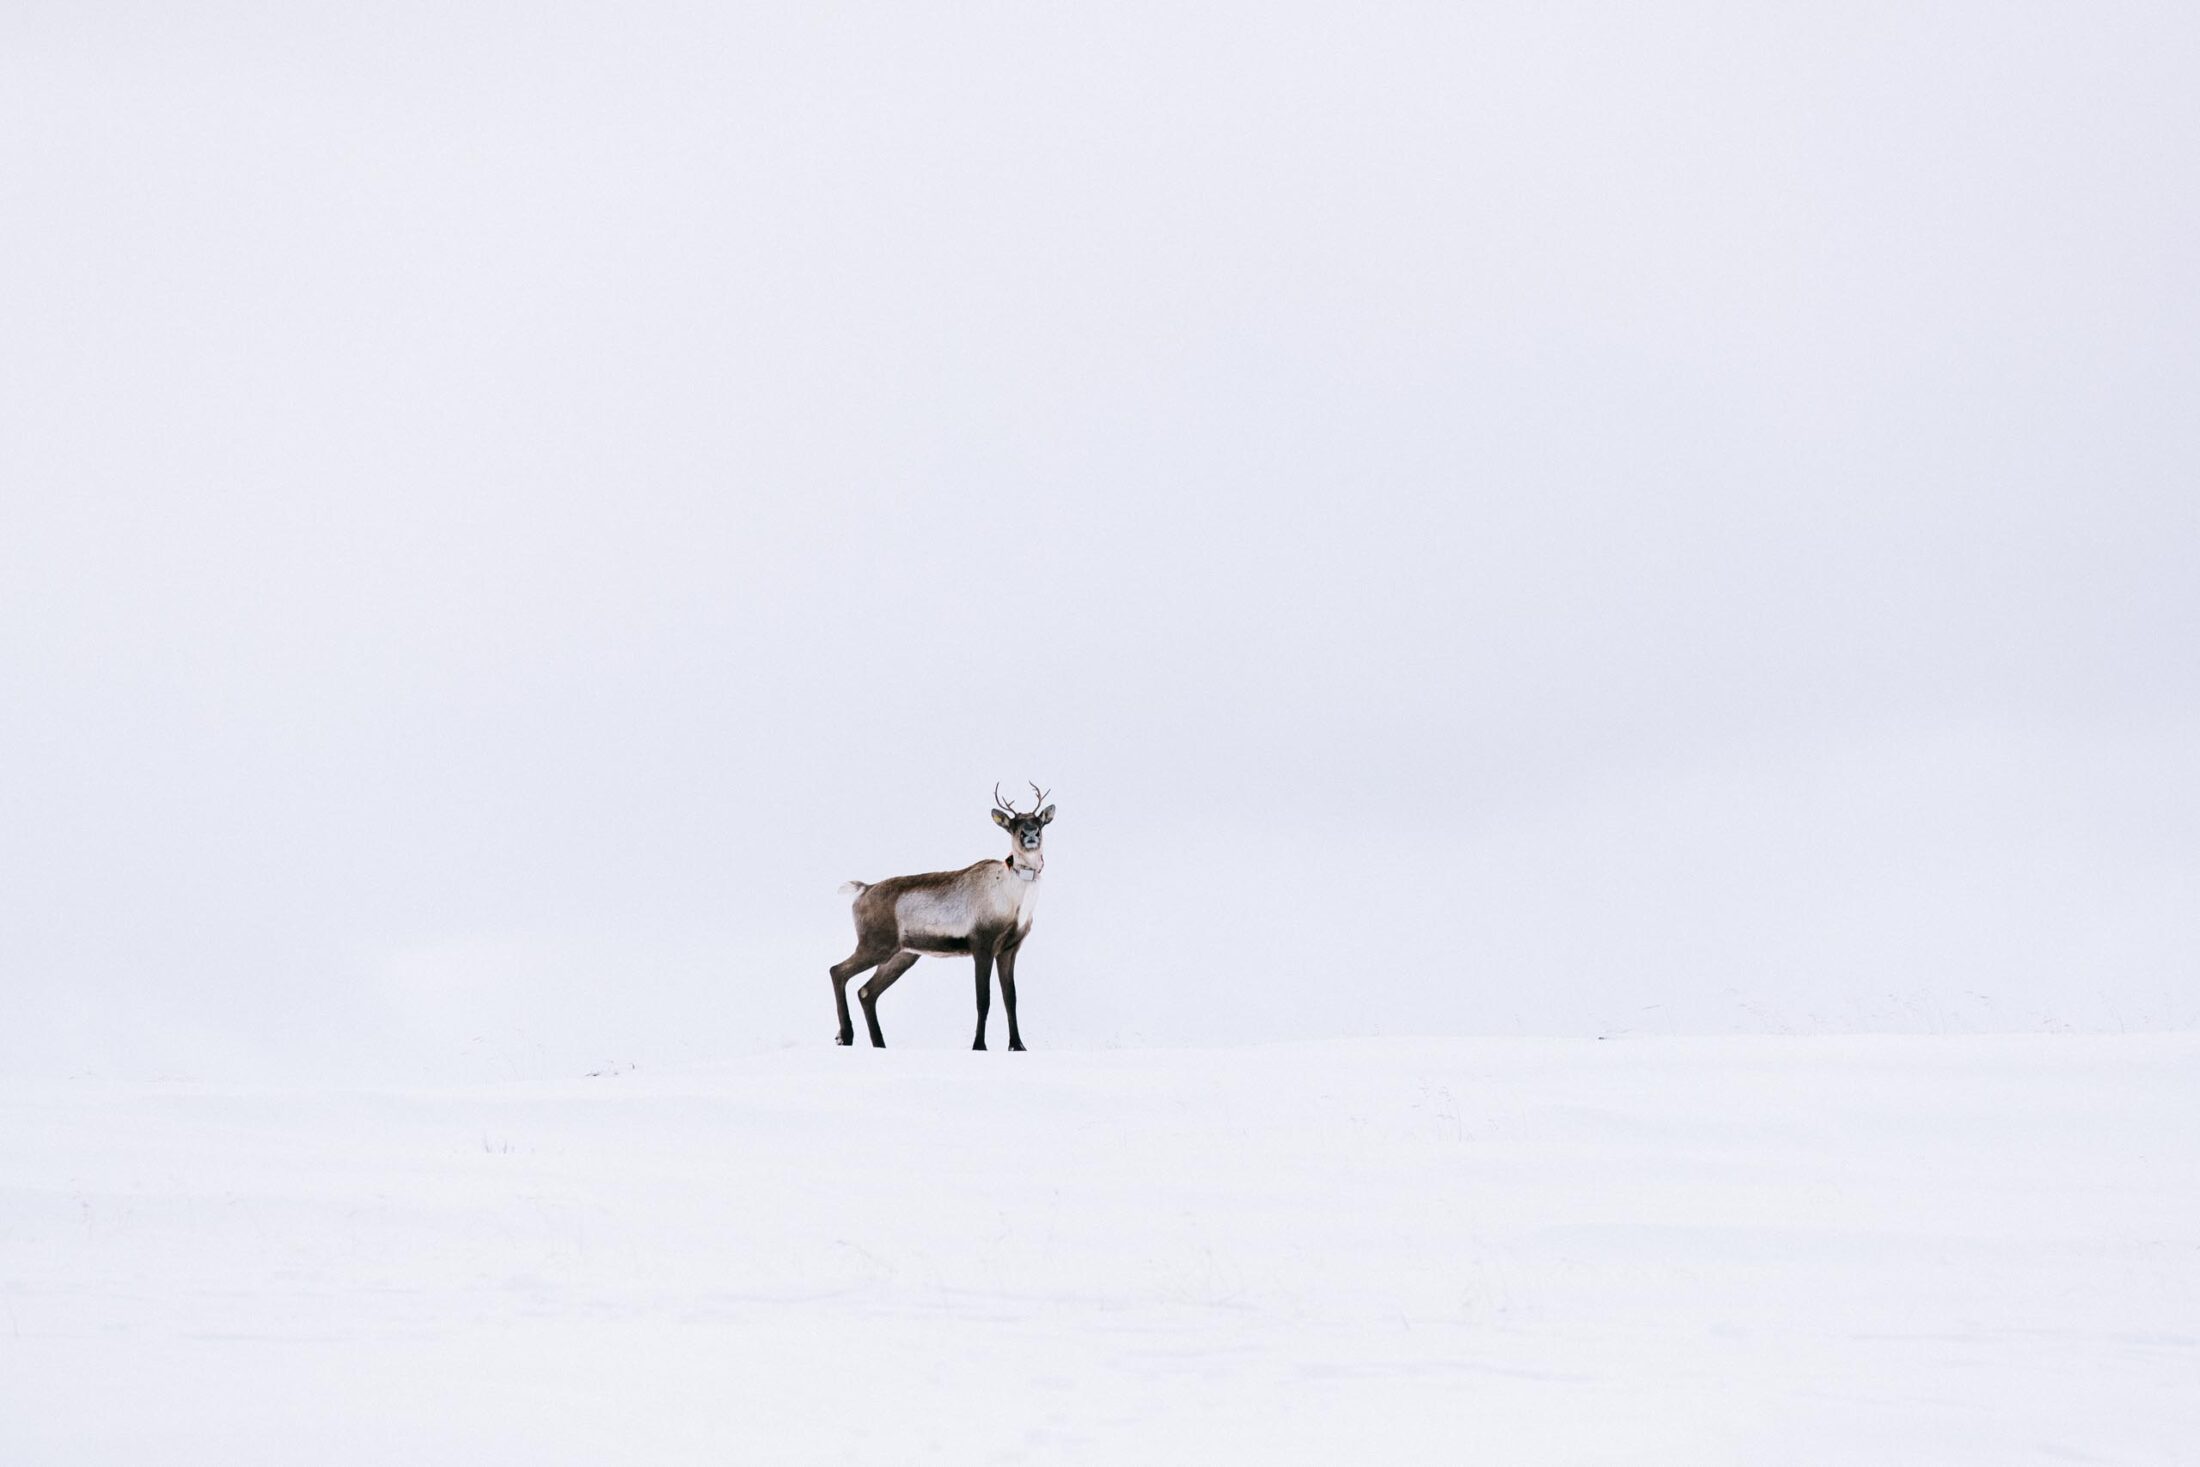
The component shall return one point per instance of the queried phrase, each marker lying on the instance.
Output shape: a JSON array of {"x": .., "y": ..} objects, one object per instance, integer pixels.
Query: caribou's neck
[{"x": 1026, "y": 864}]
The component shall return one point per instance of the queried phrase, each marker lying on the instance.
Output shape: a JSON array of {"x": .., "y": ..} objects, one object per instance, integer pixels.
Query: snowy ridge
[{"x": 1822, "y": 1250}]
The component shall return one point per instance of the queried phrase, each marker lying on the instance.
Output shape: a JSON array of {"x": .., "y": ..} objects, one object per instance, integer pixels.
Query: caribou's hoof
[
  {"x": 979, "y": 1045},
  {"x": 844, "y": 1040},
  {"x": 1015, "y": 1044}
]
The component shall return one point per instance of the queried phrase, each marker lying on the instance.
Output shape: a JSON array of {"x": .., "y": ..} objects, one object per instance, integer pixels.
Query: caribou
[{"x": 983, "y": 910}]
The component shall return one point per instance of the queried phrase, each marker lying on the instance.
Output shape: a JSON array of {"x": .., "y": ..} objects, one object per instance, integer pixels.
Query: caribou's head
[{"x": 1025, "y": 831}]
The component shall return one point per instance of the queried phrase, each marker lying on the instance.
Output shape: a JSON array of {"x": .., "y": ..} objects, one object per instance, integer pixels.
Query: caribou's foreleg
[
  {"x": 984, "y": 959},
  {"x": 1008, "y": 990}
]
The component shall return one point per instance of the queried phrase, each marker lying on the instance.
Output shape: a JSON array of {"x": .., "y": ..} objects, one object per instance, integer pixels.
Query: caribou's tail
[{"x": 854, "y": 888}]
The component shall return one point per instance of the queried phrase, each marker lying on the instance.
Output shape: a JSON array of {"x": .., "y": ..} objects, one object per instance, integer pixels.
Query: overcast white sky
[{"x": 1572, "y": 519}]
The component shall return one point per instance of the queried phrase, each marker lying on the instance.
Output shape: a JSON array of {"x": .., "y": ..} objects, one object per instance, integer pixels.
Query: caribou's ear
[
  {"x": 1046, "y": 815},
  {"x": 1000, "y": 818}
]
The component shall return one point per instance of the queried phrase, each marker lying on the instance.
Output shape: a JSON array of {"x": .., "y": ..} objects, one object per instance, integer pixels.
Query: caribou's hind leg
[
  {"x": 858, "y": 961},
  {"x": 879, "y": 982}
]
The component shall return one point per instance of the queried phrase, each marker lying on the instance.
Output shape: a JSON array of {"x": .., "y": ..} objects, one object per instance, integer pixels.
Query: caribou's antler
[{"x": 1036, "y": 806}]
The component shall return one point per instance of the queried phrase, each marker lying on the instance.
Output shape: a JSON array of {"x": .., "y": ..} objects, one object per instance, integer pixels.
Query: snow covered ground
[{"x": 1738, "y": 1250}]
